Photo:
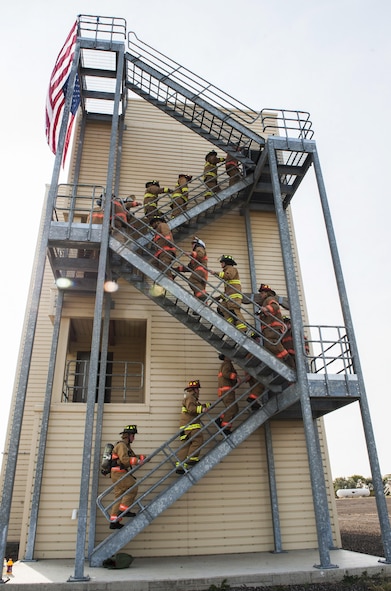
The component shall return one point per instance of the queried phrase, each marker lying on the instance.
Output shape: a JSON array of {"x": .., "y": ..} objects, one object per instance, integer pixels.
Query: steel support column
[
  {"x": 315, "y": 462},
  {"x": 273, "y": 489},
  {"x": 95, "y": 342},
  {"x": 98, "y": 423},
  {"x": 32, "y": 531},
  {"x": 366, "y": 418}
]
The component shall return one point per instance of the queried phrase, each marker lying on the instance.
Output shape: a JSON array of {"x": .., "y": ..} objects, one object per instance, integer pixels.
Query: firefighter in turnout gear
[
  {"x": 163, "y": 241},
  {"x": 210, "y": 173},
  {"x": 119, "y": 213},
  {"x": 190, "y": 427},
  {"x": 120, "y": 210},
  {"x": 96, "y": 216},
  {"x": 256, "y": 388},
  {"x": 232, "y": 168},
  {"x": 227, "y": 380},
  {"x": 180, "y": 194},
  {"x": 272, "y": 325},
  {"x": 231, "y": 302},
  {"x": 287, "y": 339},
  {"x": 151, "y": 198},
  {"x": 123, "y": 460},
  {"x": 197, "y": 266}
]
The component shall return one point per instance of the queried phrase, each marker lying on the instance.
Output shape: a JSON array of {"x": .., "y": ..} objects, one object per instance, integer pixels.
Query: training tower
[{"x": 94, "y": 359}]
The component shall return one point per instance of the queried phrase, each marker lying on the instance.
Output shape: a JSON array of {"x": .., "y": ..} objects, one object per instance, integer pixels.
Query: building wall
[{"x": 229, "y": 509}]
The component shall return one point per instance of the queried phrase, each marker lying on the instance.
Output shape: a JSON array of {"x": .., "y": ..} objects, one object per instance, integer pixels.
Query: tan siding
[{"x": 229, "y": 509}]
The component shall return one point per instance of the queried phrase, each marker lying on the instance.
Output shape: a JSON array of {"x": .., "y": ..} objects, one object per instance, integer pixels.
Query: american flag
[{"x": 57, "y": 93}]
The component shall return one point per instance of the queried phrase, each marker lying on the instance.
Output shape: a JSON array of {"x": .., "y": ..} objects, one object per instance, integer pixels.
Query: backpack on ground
[{"x": 119, "y": 560}]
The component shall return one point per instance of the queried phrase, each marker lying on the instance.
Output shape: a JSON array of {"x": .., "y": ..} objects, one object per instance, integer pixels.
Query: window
[{"x": 124, "y": 376}]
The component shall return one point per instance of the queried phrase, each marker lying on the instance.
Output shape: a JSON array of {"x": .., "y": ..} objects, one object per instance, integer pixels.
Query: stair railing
[
  {"x": 223, "y": 194},
  {"x": 329, "y": 350},
  {"x": 200, "y": 88},
  {"x": 129, "y": 235},
  {"x": 287, "y": 123},
  {"x": 164, "y": 460}
]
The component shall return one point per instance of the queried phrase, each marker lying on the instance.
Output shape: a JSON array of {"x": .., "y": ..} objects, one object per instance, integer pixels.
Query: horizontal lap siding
[{"x": 229, "y": 509}]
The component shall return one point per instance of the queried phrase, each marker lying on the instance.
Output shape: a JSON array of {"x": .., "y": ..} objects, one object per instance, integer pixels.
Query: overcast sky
[{"x": 331, "y": 58}]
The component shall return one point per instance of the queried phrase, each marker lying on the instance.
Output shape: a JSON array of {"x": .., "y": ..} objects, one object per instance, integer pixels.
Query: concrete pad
[{"x": 198, "y": 573}]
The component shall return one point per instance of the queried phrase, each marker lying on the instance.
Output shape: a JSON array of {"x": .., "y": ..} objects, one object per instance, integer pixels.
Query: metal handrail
[
  {"x": 165, "y": 459},
  {"x": 330, "y": 351},
  {"x": 132, "y": 233},
  {"x": 101, "y": 28},
  {"x": 77, "y": 201},
  {"x": 287, "y": 123},
  {"x": 200, "y": 87},
  {"x": 292, "y": 123},
  {"x": 121, "y": 372}
]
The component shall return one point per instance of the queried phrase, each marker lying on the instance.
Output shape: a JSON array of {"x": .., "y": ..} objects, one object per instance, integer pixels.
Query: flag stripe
[{"x": 55, "y": 100}]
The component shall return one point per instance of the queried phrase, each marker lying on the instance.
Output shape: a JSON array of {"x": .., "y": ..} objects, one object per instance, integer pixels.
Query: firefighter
[
  {"x": 232, "y": 299},
  {"x": 96, "y": 216},
  {"x": 256, "y": 388},
  {"x": 121, "y": 208},
  {"x": 151, "y": 198},
  {"x": 163, "y": 241},
  {"x": 272, "y": 325},
  {"x": 119, "y": 214},
  {"x": 232, "y": 168},
  {"x": 130, "y": 202},
  {"x": 227, "y": 380},
  {"x": 190, "y": 427},
  {"x": 197, "y": 266},
  {"x": 287, "y": 339},
  {"x": 125, "y": 459},
  {"x": 180, "y": 194},
  {"x": 210, "y": 173}
]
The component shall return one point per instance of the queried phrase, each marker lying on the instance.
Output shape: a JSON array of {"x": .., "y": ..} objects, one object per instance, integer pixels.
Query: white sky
[{"x": 331, "y": 58}]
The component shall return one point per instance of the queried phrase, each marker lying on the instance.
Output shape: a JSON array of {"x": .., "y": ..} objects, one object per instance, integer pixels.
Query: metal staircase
[
  {"x": 162, "y": 486},
  {"x": 194, "y": 102},
  {"x": 219, "y": 118},
  {"x": 202, "y": 319}
]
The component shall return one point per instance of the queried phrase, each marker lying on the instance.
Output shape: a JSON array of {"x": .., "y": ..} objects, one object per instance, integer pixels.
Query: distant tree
[{"x": 354, "y": 481}]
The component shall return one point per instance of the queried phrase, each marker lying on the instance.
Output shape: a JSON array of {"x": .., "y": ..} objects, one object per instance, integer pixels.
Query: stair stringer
[{"x": 120, "y": 538}]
